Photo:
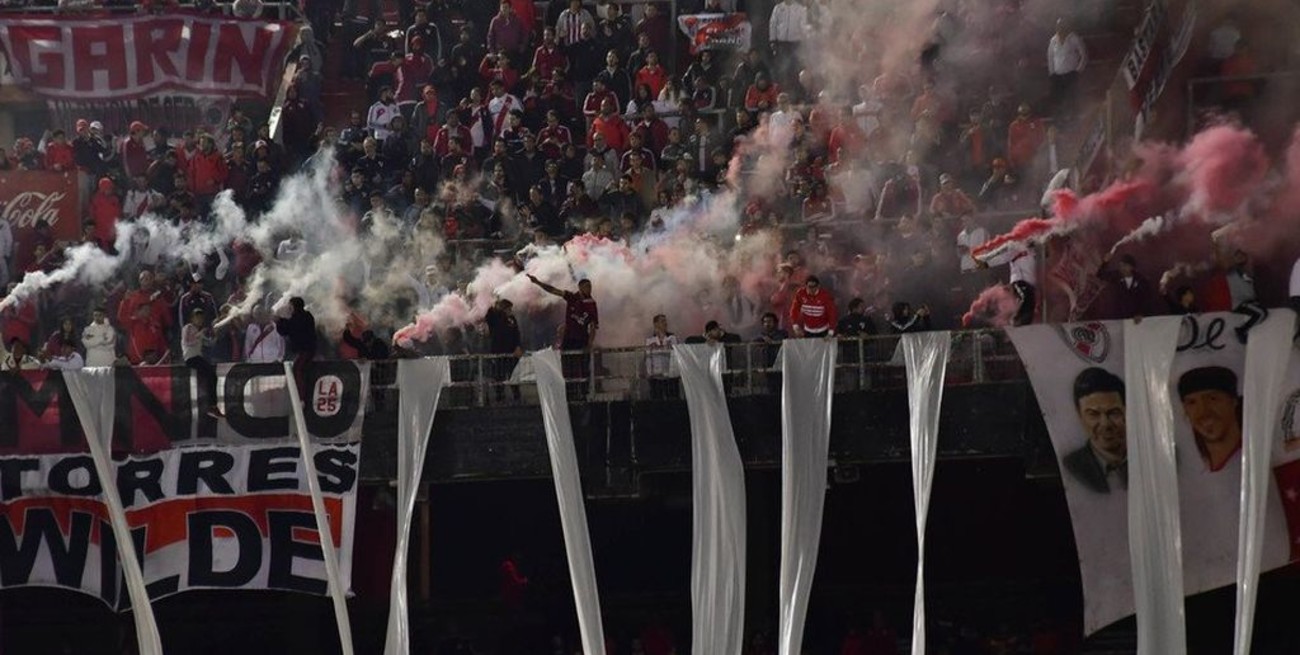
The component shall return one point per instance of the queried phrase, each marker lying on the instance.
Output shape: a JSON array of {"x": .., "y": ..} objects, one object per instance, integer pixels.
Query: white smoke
[{"x": 1149, "y": 228}]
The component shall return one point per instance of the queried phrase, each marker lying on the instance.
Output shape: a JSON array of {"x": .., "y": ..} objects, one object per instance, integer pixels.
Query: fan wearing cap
[
  {"x": 950, "y": 201},
  {"x": 413, "y": 73},
  {"x": 89, "y": 151},
  {"x": 59, "y": 156},
  {"x": 1213, "y": 408},
  {"x": 133, "y": 152},
  {"x": 1025, "y": 135},
  {"x": 105, "y": 210}
]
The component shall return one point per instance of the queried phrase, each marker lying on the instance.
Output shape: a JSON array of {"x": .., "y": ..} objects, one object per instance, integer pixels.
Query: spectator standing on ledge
[
  {"x": 1066, "y": 58},
  {"x": 581, "y": 321},
  {"x": 196, "y": 336},
  {"x": 1024, "y": 280},
  {"x": 299, "y": 330},
  {"x": 812, "y": 313},
  {"x": 505, "y": 342}
]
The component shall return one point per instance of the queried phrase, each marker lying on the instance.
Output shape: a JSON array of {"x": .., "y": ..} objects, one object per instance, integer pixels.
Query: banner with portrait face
[{"x": 1077, "y": 374}]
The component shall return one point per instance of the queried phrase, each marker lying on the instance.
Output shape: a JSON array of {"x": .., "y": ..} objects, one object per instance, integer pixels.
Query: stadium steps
[
  {"x": 1107, "y": 47},
  {"x": 340, "y": 96}
]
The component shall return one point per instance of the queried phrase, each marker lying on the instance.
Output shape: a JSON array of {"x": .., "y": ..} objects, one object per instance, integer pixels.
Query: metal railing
[{"x": 615, "y": 374}]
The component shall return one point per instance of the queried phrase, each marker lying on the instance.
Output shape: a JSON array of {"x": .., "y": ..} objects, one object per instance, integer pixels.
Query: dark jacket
[
  {"x": 1129, "y": 301},
  {"x": 300, "y": 331},
  {"x": 1082, "y": 464}
]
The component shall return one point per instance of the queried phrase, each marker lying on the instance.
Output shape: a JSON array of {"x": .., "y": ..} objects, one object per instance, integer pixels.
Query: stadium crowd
[{"x": 497, "y": 126}]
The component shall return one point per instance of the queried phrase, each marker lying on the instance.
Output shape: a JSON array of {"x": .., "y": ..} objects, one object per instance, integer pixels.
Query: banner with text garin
[
  {"x": 213, "y": 503},
  {"x": 82, "y": 58},
  {"x": 1077, "y": 373}
]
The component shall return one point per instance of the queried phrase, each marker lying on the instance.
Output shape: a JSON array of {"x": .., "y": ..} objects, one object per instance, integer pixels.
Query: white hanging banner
[
  {"x": 1268, "y": 355},
  {"x": 568, "y": 491},
  {"x": 1078, "y": 374},
  {"x": 718, "y": 493},
  {"x": 333, "y": 580},
  {"x": 1155, "y": 533},
  {"x": 808, "y": 373},
  {"x": 93, "y": 392},
  {"x": 419, "y": 385},
  {"x": 926, "y": 355}
]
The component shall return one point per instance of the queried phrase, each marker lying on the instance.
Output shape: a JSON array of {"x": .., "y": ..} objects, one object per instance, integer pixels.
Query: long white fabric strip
[
  {"x": 926, "y": 355},
  {"x": 332, "y": 578},
  {"x": 808, "y": 373},
  {"x": 718, "y": 493},
  {"x": 568, "y": 491},
  {"x": 419, "y": 384},
  {"x": 1267, "y": 357},
  {"x": 93, "y": 395},
  {"x": 1155, "y": 541}
]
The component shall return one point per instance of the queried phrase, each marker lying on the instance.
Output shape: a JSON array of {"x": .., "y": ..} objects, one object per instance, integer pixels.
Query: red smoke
[
  {"x": 1224, "y": 167},
  {"x": 994, "y": 306},
  {"x": 1024, "y": 231}
]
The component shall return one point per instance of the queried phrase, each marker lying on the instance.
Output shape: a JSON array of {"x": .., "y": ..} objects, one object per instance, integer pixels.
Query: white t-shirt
[
  {"x": 780, "y": 127},
  {"x": 1066, "y": 55},
  {"x": 788, "y": 23},
  {"x": 192, "y": 341},
  {"x": 262, "y": 344},
  {"x": 659, "y": 353},
  {"x": 380, "y": 116},
  {"x": 867, "y": 113},
  {"x": 101, "y": 344},
  {"x": 968, "y": 240},
  {"x": 1024, "y": 268}
]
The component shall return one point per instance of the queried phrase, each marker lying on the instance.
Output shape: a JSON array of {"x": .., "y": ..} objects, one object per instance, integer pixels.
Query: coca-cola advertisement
[{"x": 31, "y": 197}]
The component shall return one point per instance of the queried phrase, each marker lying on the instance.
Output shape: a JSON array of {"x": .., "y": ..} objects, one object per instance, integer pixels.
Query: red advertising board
[
  {"x": 28, "y": 197},
  {"x": 95, "y": 58}
]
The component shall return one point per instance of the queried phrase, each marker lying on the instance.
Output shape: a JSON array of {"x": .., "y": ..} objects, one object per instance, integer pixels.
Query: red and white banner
[
  {"x": 70, "y": 58},
  {"x": 716, "y": 31},
  {"x": 217, "y": 504},
  {"x": 1077, "y": 371},
  {"x": 27, "y": 197}
]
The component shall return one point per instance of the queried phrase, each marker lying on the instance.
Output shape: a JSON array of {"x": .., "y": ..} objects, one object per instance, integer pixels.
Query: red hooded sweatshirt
[
  {"x": 814, "y": 312},
  {"x": 105, "y": 209}
]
